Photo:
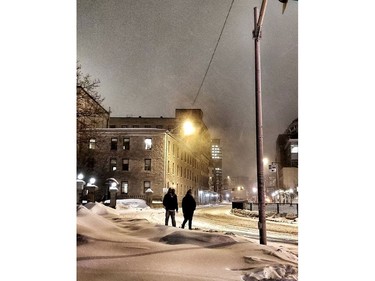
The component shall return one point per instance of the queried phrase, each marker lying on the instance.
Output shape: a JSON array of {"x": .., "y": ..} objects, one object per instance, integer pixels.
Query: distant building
[
  {"x": 240, "y": 186},
  {"x": 285, "y": 168},
  {"x": 217, "y": 166}
]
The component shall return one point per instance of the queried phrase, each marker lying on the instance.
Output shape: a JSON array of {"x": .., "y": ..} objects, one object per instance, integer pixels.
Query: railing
[
  {"x": 279, "y": 208},
  {"x": 127, "y": 196}
]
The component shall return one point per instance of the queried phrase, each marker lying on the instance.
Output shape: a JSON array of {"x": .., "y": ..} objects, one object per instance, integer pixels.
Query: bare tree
[
  {"x": 91, "y": 115},
  {"x": 89, "y": 84}
]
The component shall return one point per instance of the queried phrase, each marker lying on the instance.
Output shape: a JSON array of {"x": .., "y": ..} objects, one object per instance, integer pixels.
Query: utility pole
[
  {"x": 258, "y": 20},
  {"x": 257, "y": 34}
]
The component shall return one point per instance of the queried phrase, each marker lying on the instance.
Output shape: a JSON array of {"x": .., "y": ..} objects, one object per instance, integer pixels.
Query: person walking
[
  {"x": 171, "y": 206},
  {"x": 188, "y": 208}
]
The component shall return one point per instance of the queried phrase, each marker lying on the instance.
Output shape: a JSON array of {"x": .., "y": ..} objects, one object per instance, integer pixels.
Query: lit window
[
  {"x": 148, "y": 144},
  {"x": 126, "y": 145},
  {"x": 294, "y": 148},
  {"x": 92, "y": 144},
  {"x": 147, "y": 164},
  {"x": 125, "y": 164},
  {"x": 124, "y": 187},
  {"x": 114, "y": 144},
  {"x": 113, "y": 164}
]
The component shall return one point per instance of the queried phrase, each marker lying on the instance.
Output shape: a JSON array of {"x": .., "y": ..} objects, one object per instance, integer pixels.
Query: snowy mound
[
  {"x": 131, "y": 204},
  {"x": 197, "y": 238}
]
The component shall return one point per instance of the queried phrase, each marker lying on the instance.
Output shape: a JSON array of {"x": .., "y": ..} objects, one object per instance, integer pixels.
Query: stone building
[
  {"x": 152, "y": 153},
  {"x": 90, "y": 115}
]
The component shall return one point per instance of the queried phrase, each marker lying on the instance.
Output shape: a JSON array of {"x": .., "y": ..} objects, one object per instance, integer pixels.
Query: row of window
[
  {"x": 180, "y": 171},
  {"x": 147, "y": 184},
  {"x": 185, "y": 156},
  {"x": 125, "y": 186},
  {"x": 148, "y": 146},
  {"x": 137, "y": 126},
  {"x": 125, "y": 164},
  {"x": 125, "y": 143}
]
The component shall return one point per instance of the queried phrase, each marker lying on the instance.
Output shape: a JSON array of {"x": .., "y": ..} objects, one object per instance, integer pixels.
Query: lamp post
[
  {"x": 80, "y": 186},
  {"x": 91, "y": 188},
  {"x": 258, "y": 22},
  {"x": 113, "y": 192}
]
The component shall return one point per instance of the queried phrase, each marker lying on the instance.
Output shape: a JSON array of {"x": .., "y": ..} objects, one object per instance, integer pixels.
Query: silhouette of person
[
  {"x": 188, "y": 208},
  {"x": 171, "y": 206}
]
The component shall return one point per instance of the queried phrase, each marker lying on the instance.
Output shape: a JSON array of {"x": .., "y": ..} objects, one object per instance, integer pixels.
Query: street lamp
[
  {"x": 188, "y": 128},
  {"x": 80, "y": 186},
  {"x": 92, "y": 188},
  {"x": 258, "y": 21}
]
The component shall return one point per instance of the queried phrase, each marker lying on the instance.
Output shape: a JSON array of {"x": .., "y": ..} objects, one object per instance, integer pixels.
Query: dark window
[
  {"x": 125, "y": 164},
  {"x": 147, "y": 164},
  {"x": 114, "y": 144},
  {"x": 91, "y": 163}
]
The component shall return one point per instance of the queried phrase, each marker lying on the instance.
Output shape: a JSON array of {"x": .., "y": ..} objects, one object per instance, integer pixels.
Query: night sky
[{"x": 151, "y": 57}]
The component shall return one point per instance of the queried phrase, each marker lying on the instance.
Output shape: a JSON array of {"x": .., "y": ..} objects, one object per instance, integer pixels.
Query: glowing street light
[
  {"x": 188, "y": 128},
  {"x": 92, "y": 181}
]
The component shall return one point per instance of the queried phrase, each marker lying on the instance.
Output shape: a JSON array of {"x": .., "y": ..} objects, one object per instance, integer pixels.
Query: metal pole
[{"x": 259, "y": 132}]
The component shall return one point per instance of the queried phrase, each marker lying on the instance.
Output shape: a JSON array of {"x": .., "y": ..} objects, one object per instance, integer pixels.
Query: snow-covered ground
[{"x": 121, "y": 244}]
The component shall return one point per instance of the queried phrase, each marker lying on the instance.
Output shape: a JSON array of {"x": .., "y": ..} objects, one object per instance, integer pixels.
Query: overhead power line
[{"x": 213, "y": 54}]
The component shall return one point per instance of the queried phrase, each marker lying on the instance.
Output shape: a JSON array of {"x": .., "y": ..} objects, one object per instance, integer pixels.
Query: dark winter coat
[
  {"x": 188, "y": 204},
  {"x": 170, "y": 202}
]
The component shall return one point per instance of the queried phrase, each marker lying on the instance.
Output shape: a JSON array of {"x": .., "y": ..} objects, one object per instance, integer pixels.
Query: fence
[{"x": 279, "y": 208}]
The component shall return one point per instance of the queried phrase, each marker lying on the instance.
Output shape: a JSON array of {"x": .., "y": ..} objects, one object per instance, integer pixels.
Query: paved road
[{"x": 220, "y": 218}]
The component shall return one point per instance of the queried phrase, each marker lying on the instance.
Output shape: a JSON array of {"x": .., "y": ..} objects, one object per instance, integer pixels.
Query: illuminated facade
[
  {"x": 156, "y": 153},
  {"x": 287, "y": 158},
  {"x": 217, "y": 166}
]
